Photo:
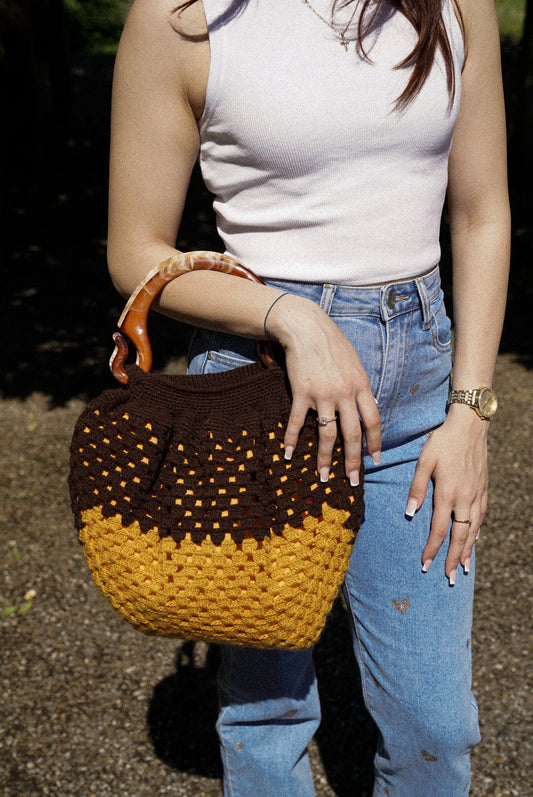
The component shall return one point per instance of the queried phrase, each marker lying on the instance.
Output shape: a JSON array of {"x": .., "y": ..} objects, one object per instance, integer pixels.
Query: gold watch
[{"x": 482, "y": 400}]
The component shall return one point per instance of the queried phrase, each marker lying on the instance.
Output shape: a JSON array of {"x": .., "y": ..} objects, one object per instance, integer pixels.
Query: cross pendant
[{"x": 344, "y": 42}]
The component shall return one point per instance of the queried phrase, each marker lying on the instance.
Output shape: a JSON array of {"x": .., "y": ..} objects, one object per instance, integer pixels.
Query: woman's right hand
[{"x": 326, "y": 376}]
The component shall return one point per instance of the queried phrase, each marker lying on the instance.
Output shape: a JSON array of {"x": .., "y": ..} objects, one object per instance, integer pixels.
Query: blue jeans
[{"x": 410, "y": 630}]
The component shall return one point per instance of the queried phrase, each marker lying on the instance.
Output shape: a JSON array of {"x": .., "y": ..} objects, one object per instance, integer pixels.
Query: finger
[
  {"x": 295, "y": 423},
  {"x": 465, "y": 560},
  {"x": 352, "y": 443},
  {"x": 419, "y": 485},
  {"x": 478, "y": 515},
  {"x": 459, "y": 541},
  {"x": 327, "y": 436},
  {"x": 370, "y": 418},
  {"x": 440, "y": 526}
]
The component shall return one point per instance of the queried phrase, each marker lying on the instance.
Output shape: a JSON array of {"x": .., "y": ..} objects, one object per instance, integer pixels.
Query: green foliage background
[
  {"x": 511, "y": 15},
  {"x": 95, "y": 25}
]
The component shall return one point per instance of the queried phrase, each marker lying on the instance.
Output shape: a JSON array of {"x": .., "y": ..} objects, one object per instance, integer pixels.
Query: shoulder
[
  {"x": 165, "y": 15},
  {"x": 168, "y": 43},
  {"x": 479, "y": 22}
]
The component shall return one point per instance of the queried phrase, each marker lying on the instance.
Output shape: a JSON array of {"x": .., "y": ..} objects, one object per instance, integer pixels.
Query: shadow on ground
[
  {"x": 346, "y": 747},
  {"x": 189, "y": 693}
]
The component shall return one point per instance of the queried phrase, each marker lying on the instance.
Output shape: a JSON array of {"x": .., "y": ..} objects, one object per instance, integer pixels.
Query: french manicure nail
[
  {"x": 467, "y": 565},
  {"x": 426, "y": 565},
  {"x": 354, "y": 478},
  {"x": 452, "y": 577},
  {"x": 411, "y": 507},
  {"x": 324, "y": 475},
  {"x": 478, "y": 533},
  {"x": 376, "y": 458},
  {"x": 288, "y": 452}
]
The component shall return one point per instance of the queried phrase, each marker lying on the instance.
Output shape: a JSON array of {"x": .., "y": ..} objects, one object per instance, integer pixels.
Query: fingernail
[
  {"x": 426, "y": 565},
  {"x": 478, "y": 533},
  {"x": 376, "y": 458},
  {"x": 467, "y": 565},
  {"x": 354, "y": 478},
  {"x": 324, "y": 475},
  {"x": 412, "y": 506},
  {"x": 452, "y": 577},
  {"x": 288, "y": 452}
]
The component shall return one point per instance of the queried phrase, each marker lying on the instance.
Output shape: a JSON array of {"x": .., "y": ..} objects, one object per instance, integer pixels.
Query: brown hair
[{"x": 426, "y": 18}]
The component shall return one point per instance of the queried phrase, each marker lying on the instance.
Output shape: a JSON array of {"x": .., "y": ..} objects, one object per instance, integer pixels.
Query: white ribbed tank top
[{"x": 315, "y": 175}]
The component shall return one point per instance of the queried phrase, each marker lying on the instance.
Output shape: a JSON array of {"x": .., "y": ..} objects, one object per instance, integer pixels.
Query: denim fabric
[{"x": 411, "y": 630}]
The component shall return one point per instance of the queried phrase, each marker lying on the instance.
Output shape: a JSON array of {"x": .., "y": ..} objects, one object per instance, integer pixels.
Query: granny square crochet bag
[{"x": 192, "y": 522}]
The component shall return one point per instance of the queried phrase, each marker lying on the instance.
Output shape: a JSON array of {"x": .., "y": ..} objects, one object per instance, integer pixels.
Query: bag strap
[{"x": 134, "y": 319}]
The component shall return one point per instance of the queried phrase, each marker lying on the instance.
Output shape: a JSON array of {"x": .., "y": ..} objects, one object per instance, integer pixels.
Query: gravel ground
[{"x": 89, "y": 706}]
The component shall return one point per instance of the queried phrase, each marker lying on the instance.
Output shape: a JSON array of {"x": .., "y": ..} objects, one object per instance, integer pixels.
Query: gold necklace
[{"x": 344, "y": 41}]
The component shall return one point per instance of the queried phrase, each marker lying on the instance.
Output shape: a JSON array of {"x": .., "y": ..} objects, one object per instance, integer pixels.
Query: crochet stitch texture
[{"x": 193, "y": 523}]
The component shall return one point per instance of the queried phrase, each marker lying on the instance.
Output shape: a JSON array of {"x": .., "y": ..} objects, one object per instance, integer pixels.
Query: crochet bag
[{"x": 192, "y": 522}]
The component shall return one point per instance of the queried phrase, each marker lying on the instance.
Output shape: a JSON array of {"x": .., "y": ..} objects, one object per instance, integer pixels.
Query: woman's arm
[
  {"x": 158, "y": 94},
  {"x": 455, "y": 456}
]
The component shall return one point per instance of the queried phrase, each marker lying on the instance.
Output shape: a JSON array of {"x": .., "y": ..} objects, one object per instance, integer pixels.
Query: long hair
[{"x": 426, "y": 18}]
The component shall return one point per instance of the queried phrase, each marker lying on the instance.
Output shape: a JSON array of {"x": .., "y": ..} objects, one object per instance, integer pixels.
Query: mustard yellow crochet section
[{"x": 281, "y": 587}]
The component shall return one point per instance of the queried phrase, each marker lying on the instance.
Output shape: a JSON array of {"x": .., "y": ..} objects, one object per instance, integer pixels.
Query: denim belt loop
[
  {"x": 425, "y": 303},
  {"x": 326, "y": 300},
  {"x": 385, "y": 309}
]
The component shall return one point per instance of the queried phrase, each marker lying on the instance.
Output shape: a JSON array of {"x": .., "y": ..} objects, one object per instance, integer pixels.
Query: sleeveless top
[{"x": 316, "y": 175}]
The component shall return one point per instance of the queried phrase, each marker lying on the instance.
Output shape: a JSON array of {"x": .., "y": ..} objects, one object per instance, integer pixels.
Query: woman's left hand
[{"x": 455, "y": 457}]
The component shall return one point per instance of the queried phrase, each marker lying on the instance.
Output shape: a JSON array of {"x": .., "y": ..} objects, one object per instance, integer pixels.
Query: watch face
[{"x": 488, "y": 403}]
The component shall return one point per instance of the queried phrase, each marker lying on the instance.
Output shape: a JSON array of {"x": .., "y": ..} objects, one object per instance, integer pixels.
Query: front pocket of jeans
[
  {"x": 216, "y": 362},
  {"x": 368, "y": 337},
  {"x": 213, "y": 352}
]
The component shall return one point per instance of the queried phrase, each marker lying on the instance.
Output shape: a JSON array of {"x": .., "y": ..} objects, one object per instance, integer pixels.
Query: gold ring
[
  {"x": 324, "y": 421},
  {"x": 462, "y": 521}
]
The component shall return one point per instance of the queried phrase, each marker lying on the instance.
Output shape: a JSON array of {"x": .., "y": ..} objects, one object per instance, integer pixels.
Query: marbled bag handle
[{"x": 134, "y": 319}]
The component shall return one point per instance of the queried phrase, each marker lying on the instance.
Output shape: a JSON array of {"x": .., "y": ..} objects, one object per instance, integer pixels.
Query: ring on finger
[
  {"x": 455, "y": 520},
  {"x": 323, "y": 421}
]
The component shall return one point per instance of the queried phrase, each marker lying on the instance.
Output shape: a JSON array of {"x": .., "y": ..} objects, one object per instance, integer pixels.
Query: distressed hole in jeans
[
  {"x": 428, "y": 756},
  {"x": 290, "y": 714},
  {"x": 239, "y": 745}
]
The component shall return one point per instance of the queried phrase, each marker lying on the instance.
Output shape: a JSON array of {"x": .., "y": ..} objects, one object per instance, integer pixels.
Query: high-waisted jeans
[{"x": 411, "y": 630}]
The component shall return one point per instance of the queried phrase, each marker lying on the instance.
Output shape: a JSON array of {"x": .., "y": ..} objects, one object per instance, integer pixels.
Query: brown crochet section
[
  {"x": 208, "y": 465},
  {"x": 269, "y": 594}
]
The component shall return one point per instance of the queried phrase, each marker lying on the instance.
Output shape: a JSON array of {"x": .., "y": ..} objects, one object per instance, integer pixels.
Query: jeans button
[{"x": 391, "y": 300}]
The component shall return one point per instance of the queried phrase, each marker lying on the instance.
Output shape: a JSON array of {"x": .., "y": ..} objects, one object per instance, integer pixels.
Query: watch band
[
  {"x": 463, "y": 396},
  {"x": 473, "y": 398}
]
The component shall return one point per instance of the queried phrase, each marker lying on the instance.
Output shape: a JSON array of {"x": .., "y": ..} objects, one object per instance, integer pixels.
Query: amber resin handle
[{"x": 134, "y": 319}]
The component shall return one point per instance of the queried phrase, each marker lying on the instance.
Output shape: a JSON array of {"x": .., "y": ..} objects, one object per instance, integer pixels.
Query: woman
[{"x": 329, "y": 137}]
